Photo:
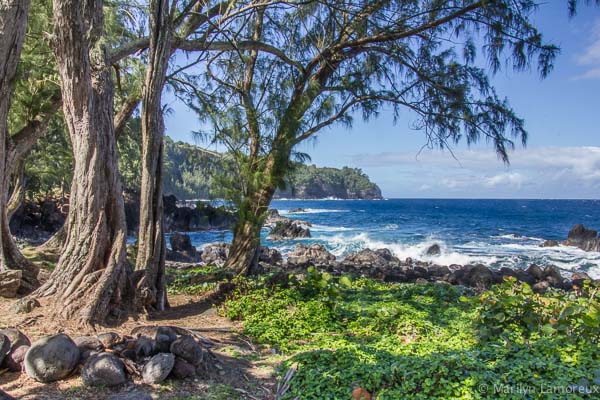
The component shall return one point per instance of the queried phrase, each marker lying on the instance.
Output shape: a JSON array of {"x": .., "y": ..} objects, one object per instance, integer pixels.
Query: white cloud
[
  {"x": 556, "y": 172},
  {"x": 590, "y": 58}
]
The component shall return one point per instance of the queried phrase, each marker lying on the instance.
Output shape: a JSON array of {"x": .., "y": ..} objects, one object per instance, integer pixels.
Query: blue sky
[{"x": 562, "y": 114}]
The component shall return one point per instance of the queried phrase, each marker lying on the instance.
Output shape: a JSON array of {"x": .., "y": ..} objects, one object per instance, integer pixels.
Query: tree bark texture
[
  {"x": 13, "y": 24},
  {"x": 90, "y": 282},
  {"x": 150, "y": 262}
]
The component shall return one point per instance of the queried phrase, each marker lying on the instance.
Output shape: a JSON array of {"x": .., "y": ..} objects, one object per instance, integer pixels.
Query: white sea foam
[
  {"x": 313, "y": 211},
  {"x": 324, "y": 228}
]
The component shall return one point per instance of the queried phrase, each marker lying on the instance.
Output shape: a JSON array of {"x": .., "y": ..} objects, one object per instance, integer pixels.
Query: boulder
[
  {"x": 145, "y": 347},
  {"x": 51, "y": 358},
  {"x": 103, "y": 369},
  {"x": 182, "y": 249},
  {"x": 182, "y": 369},
  {"x": 579, "y": 278},
  {"x": 88, "y": 343},
  {"x": 4, "y": 347},
  {"x": 269, "y": 256},
  {"x": 535, "y": 271},
  {"x": 215, "y": 254},
  {"x": 158, "y": 368},
  {"x": 5, "y": 396},
  {"x": 314, "y": 254},
  {"x": 14, "y": 359},
  {"x": 584, "y": 238},
  {"x": 188, "y": 349},
  {"x": 433, "y": 250},
  {"x": 378, "y": 257},
  {"x": 288, "y": 230},
  {"x": 135, "y": 395},
  {"x": 110, "y": 339},
  {"x": 16, "y": 337},
  {"x": 10, "y": 282},
  {"x": 24, "y": 306},
  {"x": 552, "y": 275},
  {"x": 480, "y": 276},
  {"x": 540, "y": 287}
]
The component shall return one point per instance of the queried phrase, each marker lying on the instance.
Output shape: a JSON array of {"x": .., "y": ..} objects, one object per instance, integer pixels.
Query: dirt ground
[{"x": 242, "y": 371}]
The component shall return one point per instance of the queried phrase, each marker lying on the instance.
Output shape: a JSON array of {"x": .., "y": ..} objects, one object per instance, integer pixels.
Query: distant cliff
[{"x": 190, "y": 173}]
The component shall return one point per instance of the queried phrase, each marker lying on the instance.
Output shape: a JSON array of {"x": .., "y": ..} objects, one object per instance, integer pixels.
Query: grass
[{"x": 409, "y": 341}]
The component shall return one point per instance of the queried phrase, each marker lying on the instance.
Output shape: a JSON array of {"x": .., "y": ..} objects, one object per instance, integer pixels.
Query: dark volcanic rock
[
  {"x": 4, "y": 347},
  {"x": 5, "y": 396},
  {"x": 434, "y": 250},
  {"x": 14, "y": 359},
  {"x": 269, "y": 256},
  {"x": 104, "y": 369},
  {"x": 182, "y": 249},
  {"x": 16, "y": 337},
  {"x": 371, "y": 257},
  {"x": 535, "y": 271},
  {"x": 288, "y": 230},
  {"x": 315, "y": 254},
  {"x": 158, "y": 368},
  {"x": 296, "y": 210},
  {"x": 187, "y": 348},
  {"x": 215, "y": 254},
  {"x": 585, "y": 239},
  {"x": 88, "y": 343},
  {"x": 110, "y": 339},
  {"x": 182, "y": 369},
  {"x": 145, "y": 347},
  {"x": 51, "y": 358}
]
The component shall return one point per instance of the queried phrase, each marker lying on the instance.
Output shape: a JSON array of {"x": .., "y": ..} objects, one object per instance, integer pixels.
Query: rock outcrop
[
  {"x": 288, "y": 229},
  {"x": 584, "y": 238},
  {"x": 182, "y": 249}
]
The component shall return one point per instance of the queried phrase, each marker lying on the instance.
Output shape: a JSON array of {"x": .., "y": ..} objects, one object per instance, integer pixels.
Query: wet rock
[
  {"x": 269, "y": 256},
  {"x": 188, "y": 349},
  {"x": 51, "y": 358},
  {"x": 552, "y": 275},
  {"x": 182, "y": 369},
  {"x": 584, "y": 238},
  {"x": 296, "y": 210},
  {"x": 288, "y": 230},
  {"x": 315, "y": 254},
  {"x": 104, "y": 369},
  {"x": 24, "y": 306},
  {"x": 434, "y": 250},
  {"x": 15, "y": 358},
  {"x": 215, "y": 254},
  {"x": 550, "y": 243},
  {"x": 110, "y": 339},
  {"x": 535, "y": 271},
  {"x": 135, "y": 395},
  {"x": 10, "y": 282},
  {"x": 158, "y": 368}
]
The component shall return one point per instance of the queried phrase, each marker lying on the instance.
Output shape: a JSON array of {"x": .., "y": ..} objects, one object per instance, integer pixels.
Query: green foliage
[
  {"x": 194, "y": 281},
  {"x": 514, "y": 308},
  {"x": 405, "y": 341}
]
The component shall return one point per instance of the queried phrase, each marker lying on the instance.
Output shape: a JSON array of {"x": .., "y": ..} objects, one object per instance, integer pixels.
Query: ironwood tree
[{"x": 300, "y": 68}]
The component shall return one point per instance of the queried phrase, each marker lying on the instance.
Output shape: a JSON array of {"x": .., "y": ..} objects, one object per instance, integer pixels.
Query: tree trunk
[
  {"x": 13, "y": 24},
  {"x": 90, "y": 282},
  {"x": 18, "y": 193},
  {"x": 150, "y": 263},
  {"x": 56, "y": 241}
]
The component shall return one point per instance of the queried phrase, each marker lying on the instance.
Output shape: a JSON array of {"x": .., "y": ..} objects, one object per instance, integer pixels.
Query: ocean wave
[
  {"x": 324, "y": 228},
  {"x": 313, "y": 211}
]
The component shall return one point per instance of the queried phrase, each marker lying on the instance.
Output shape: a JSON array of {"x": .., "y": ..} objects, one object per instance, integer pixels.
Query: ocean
[{"x": 497, "y": 233}]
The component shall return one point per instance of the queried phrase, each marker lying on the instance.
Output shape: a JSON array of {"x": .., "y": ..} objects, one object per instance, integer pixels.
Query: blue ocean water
[{"x": 497, "y": 233}]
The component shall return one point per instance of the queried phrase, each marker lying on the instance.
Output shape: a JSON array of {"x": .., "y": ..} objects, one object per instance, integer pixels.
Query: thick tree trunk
[
  {"x": 13, "y": 24},
  {"x": 150, "y": 263},
  {"x": 90, "y": 282},
  {"x": 245, "y": 247}
]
